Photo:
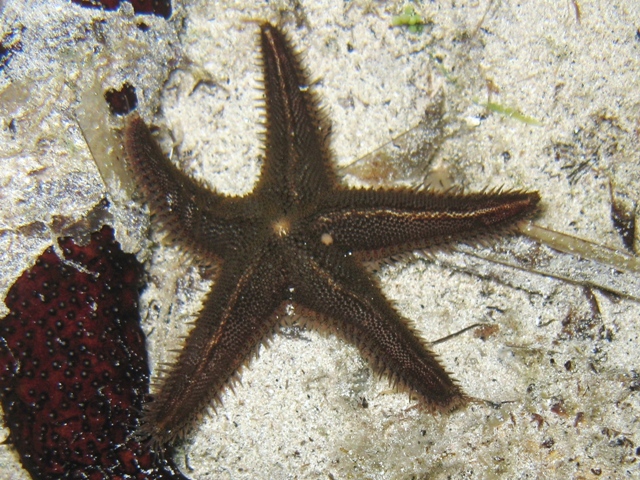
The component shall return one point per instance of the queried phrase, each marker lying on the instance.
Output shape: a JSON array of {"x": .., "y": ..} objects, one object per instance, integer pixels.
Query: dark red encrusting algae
[
  {"x": 161, "y": 8},
  {"x": 73, "y": 366},
  {"x": 121, "y": 101}
]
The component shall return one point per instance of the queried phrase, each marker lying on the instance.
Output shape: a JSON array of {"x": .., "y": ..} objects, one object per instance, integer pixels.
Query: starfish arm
[
  {"x": 190, "y": 213},
  {"x": 343, "y": 293},
  {"x": 297, "y": 167},
  {"x": 238, "y": 314},
  {"x": 379, "y": 223}
]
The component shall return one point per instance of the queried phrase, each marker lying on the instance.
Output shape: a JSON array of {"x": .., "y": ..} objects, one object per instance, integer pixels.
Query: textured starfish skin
[{"x": 299, "y": 237}]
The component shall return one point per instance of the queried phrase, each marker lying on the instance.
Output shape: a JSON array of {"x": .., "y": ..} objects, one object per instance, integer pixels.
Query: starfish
[{"x": 300, "y": 238}]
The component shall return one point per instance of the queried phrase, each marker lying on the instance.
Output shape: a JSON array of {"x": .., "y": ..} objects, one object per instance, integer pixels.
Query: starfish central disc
[{"x": 281, "y": 227}]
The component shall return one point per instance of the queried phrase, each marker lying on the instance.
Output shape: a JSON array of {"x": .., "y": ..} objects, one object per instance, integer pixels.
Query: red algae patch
[
  {"x": 73, "y": 365},
  {"x": 161, "y": 8},
  {"x": 121, "y": 101}
]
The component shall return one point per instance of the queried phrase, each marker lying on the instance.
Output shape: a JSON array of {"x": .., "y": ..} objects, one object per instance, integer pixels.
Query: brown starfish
[{"x": 299, "y": 238}]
